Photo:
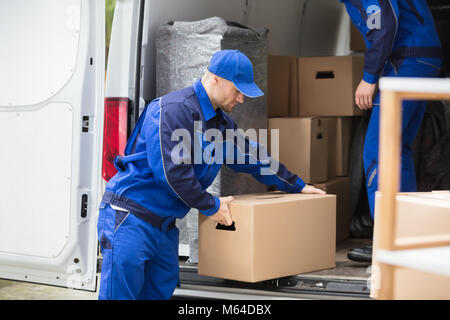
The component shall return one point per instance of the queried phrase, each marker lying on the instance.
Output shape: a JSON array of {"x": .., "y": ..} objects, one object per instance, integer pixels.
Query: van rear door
[{"x": 51, "y": 123}]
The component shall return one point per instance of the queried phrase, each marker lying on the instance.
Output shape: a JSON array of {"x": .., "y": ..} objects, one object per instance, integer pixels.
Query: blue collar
[{"x": 205, "y": 103}]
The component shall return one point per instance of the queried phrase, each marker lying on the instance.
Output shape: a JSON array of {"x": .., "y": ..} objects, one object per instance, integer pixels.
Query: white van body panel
[
  {"x": 31, "y": 72},
  {"x": 51, "y": 126}
]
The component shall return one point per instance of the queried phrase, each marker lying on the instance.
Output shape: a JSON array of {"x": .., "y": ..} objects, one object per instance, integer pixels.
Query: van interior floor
[{"x": 349, "y": 279}]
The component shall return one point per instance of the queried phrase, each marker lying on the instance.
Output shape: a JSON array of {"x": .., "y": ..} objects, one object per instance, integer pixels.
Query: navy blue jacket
[
  {"x": 157, "y": 176},
  {"x": 392, "y": 30}
]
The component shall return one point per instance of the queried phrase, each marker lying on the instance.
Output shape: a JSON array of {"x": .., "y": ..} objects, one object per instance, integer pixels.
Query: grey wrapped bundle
[{"x": 183, "y": 51}]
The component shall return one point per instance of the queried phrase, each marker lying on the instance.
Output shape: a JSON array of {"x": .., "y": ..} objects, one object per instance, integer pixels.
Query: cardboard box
[
  {"x": 410, "y": 284},
  {"x": 302, "y": 146},
  {"x": 282, "y": 86},
  {"x": 327, "y": 85},
  {"x": 423, "y": 214},
  {"x": 276, "y": 235},
  {"x": 343, "y": 139},
  {"x": 332, "y": 147},
  {"x": 341, "y": 188},
  {"x": 339, "y": 137},
  {"x": 420, "y": 215},
  {"x": 357, "y": 43},
  {"x": 422, "y": 218}
]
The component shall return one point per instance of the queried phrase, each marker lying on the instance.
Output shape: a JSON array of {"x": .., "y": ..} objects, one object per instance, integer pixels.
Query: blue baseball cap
[{"x": 234, "y": 66}]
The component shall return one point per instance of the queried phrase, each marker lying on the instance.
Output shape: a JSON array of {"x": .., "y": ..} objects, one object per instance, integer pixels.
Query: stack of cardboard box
[{"x": 311, "y": 102}]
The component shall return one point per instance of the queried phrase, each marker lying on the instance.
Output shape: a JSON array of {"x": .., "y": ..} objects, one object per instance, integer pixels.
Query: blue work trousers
[
  {"x": 412, "y": 115},
  {"x": 140, "y": 261}
]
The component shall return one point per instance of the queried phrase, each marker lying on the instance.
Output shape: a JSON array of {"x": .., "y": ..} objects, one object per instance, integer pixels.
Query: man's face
[{"x": 227, "y": 95}]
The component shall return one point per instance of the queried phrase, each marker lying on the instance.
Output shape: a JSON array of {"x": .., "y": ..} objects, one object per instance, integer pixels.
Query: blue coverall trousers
[
  {"x": 140, "y": 261},
  {"x": 412, "y": 115}
]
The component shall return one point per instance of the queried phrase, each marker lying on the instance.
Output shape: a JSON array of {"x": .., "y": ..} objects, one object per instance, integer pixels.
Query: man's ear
[{"x": 216, "y": 80}]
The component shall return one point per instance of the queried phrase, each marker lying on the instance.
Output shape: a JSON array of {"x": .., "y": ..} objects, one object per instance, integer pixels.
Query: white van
[
  {"x": 61, "y": 127},
  {"x": 296, "y": 28}
]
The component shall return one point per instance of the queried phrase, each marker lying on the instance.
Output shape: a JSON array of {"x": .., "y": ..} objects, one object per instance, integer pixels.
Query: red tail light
[{"x": 114, "y": 133}]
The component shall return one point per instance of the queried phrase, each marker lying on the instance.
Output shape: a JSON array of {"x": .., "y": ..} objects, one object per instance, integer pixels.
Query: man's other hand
[
  {"x": 364, "y": 95},
  {"x": 223, "y": 215},
  {"x": 310, "y": 189}
]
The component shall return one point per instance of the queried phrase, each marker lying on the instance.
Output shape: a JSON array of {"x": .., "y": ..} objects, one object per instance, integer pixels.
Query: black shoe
[{"x": 362, "y": 254}]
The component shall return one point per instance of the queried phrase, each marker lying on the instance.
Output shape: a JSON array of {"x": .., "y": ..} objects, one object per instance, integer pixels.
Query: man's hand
[
  {"x": 310, "y": 189},
  {"x": 223, "y": 215},
  {"x": 364, "y": 95}
]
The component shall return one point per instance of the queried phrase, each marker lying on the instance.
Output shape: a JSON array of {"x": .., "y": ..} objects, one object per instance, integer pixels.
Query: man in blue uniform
[
  {"x": 401, "y": 41},
  {"x": 160, "y": 178}
]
